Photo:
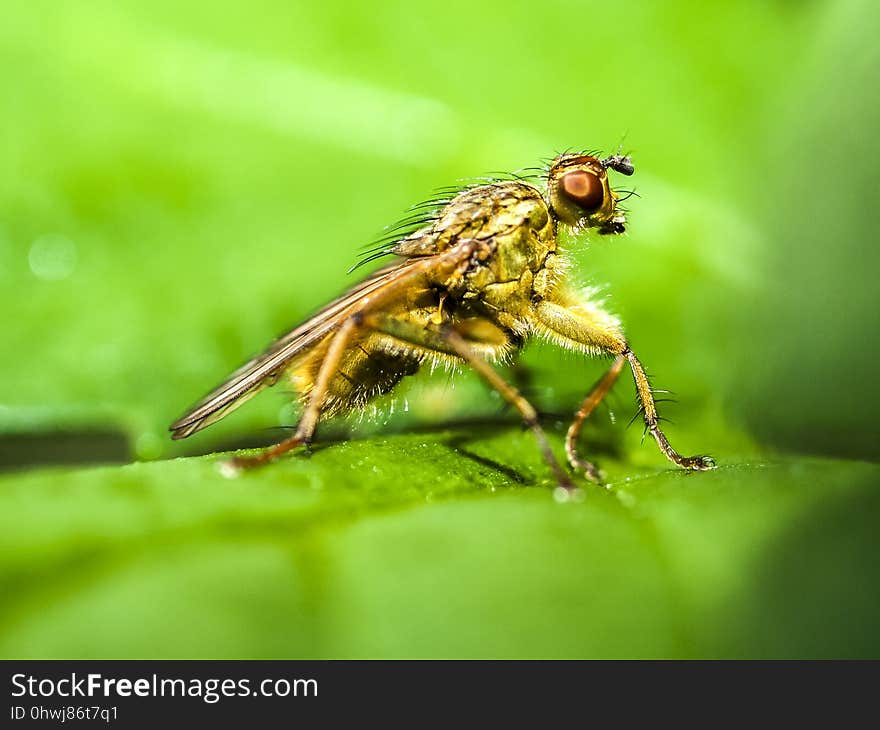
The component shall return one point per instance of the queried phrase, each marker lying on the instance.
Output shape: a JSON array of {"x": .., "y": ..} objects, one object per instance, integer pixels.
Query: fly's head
[{"x": 580, "y": 194}]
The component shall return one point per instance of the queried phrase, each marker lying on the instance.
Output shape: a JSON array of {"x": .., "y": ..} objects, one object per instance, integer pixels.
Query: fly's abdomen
[{"x": 370, "y": 367}]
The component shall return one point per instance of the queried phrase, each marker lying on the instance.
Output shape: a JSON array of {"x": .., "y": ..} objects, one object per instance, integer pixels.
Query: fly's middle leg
[
  {"x": 594, "y": 397},
  {"x": 449, "y": 341}
]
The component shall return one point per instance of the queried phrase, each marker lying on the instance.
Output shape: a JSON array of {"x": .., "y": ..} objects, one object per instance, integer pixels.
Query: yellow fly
[{"x": 474, "y": 277}]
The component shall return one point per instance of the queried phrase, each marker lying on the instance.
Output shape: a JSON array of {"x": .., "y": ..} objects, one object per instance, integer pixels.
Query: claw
[
  {"x": 700, "y": 463},
  {"x": 230, "y": 468},
  {"x": 590, "y": 471},
  {"x": 592, "y": 474}
]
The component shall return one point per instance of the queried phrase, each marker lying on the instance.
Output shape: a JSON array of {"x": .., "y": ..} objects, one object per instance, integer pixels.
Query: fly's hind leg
[
  {"x": 448, "y": 340},
  {"x": 308, "y": 422},
  {"x": 584, "y": 325}
]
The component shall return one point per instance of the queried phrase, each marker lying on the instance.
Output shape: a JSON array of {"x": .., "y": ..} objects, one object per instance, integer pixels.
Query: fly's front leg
[
  {"x": 308, "y": 422},
  {"x": 585, "y": 326},
  {"x": 649, "y": 411},
  {"x": 448, "y": 340}
]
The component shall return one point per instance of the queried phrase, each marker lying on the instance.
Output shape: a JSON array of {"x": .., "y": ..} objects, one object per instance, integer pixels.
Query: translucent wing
[{"x": 265, "y": 369}]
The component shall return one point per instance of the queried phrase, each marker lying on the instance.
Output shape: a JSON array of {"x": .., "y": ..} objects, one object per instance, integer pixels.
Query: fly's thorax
[
  {"x": 515, "y": 239},
  {"x": 504, "y": 287}
]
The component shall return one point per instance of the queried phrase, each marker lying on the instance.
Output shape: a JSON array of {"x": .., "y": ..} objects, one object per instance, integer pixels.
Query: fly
[{"x": 472, "y": 280}]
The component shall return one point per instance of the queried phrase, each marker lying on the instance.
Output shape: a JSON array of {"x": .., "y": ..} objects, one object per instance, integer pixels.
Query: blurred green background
[{"x": 182, "y": 182}]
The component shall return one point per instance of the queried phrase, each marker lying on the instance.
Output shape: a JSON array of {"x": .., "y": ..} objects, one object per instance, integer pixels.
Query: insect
[{"x": 475, "y": 275}]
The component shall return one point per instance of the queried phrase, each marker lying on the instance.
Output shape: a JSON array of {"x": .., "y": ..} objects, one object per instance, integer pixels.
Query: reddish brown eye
[{"x": 583, "y": 188}]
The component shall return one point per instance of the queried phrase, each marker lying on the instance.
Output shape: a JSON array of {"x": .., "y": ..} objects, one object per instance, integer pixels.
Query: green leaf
[
  {"x": 411, "y": 546},
  {"x": 180, "y": 185}
]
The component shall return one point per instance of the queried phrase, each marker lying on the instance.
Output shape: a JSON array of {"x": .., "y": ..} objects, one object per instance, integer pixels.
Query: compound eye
[{"x": 584, "y": 189}]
